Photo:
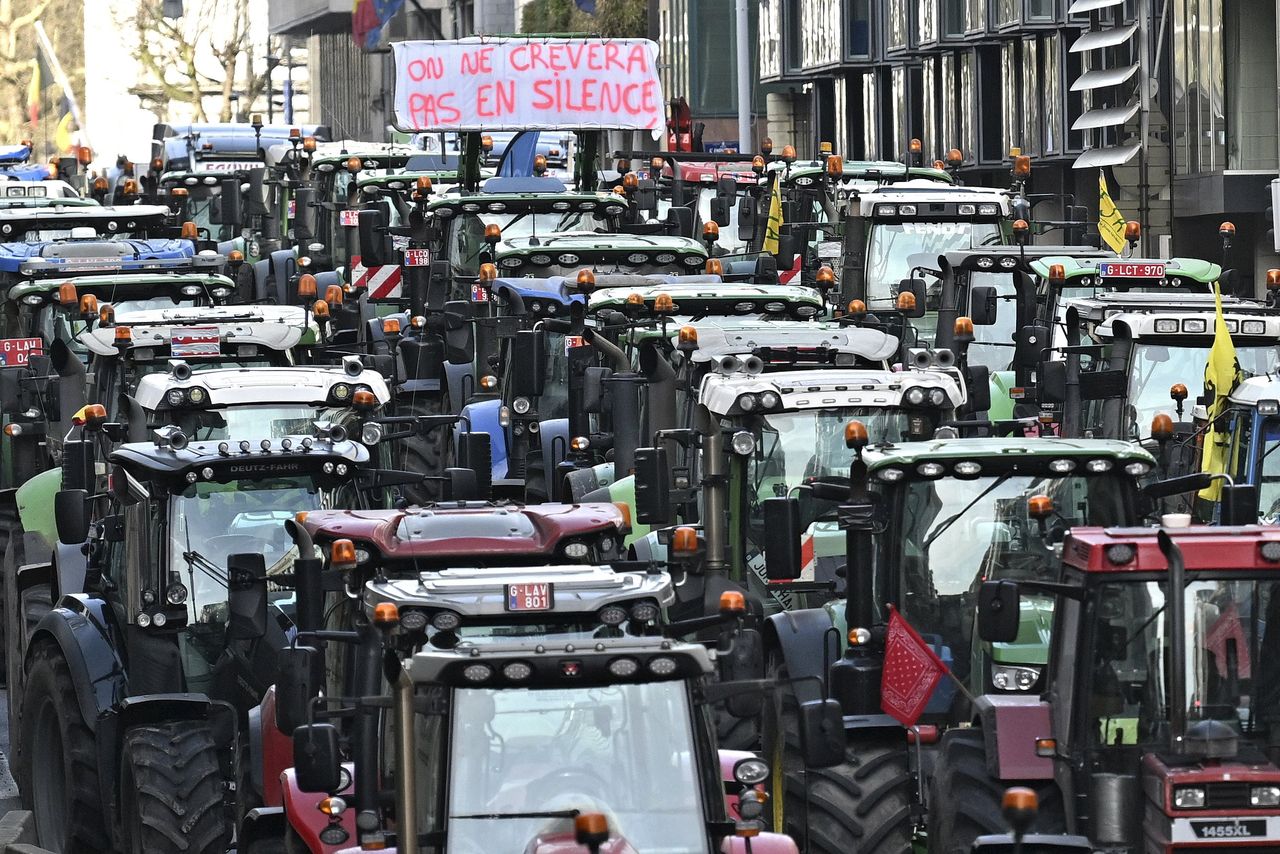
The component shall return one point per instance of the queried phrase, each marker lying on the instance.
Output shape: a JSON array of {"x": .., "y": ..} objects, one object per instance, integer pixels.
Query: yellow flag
[
  {"x": 62, "y": 140},
  {"x": 1110, "y": 220},
  {"x": 1221, "y": 376},
  {"x": 774, "y": 226}
]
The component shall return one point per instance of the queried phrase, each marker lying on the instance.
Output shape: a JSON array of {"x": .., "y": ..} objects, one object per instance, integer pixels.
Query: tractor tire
[
  {"x": 737, "y": 733},
  {"x": 21, "y": 615},
  {"x": 8, "y": 521},
  {"x": 862, "y": 805},
  {"x": 964, "y": 799},
  {"x": 171, "y": 787},
  {"x": 430, "y": 454},
  {"x": 63, "y": 789}
]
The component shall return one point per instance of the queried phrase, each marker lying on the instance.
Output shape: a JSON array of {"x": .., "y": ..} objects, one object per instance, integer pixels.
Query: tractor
[{"x": 1156, "y": 730}]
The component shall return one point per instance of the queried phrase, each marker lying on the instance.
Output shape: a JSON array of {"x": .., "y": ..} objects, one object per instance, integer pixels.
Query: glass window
[
  {"x": 793, "y": 24},
  {"x": 770, "y": 39},
  {"x": 895, "y": 248},
  {"x": 859, "y": 29},
  {"x": 901, "y": 120},
  {"x": 977, "y": 18},
  {"x": 1051, "y": 83},
  {"x": 1268, "y": 474},
  {"x": 1030, "y": 100},
  {"x": 1011, "y": 112},
  {"x": 968, "y": 112},
  {"x": 1198, "y": 92},
  {"x": 625, "y": 751},
  {"x": 1040, "y": 10},
  {"x": 870, "y": 119},
  {"x": 929, "y": 137},
  {"x": 1005, "y": 13},
  {"x": 953, "y": 17},
  {"x": 995, "y": 104},
  {"x": 899, "y": 25},
  {"x": 1229, "y": 623},
  {"x": 1248, "y": 36},
  {"x": 927, "y": 12}
]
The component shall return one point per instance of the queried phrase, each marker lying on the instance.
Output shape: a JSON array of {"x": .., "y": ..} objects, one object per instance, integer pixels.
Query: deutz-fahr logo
[{"x": 265, "y": 468}]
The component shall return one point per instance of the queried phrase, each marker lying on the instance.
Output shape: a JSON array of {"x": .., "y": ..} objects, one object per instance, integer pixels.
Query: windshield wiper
[
  {"x": 947, "y": 524},
  {"x": 194, "y": 559},
  {"x": 500, "y": 815}
]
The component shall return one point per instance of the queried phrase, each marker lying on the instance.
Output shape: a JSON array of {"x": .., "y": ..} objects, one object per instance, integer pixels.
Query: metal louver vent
[{"x": 1115, "y": 93}]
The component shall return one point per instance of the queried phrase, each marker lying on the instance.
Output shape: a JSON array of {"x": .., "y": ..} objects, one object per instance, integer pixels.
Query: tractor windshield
[
  {"x": 992, "y": 344},
  {"x": 1232, "y": 670},
  {"x": 207, "y": 523},
  {"x": 1268, "y": 465},
  {"x": 267, "y": 421},
  {"x": 626, "y": 751},
  {"x": 54, "y": 322},
  {"x": 954, "y": 534},
  {"x": 466, "y": 235},
  {"x": 1156, "y": 367},
  {"x": 896, "y": 248}
]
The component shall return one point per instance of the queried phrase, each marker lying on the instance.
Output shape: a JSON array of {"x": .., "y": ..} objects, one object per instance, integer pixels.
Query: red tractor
[{"x": 1159, "y": 730}]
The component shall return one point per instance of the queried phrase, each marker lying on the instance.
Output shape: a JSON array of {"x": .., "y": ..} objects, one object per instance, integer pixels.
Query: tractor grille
[{"x": 1221, "y": 796}]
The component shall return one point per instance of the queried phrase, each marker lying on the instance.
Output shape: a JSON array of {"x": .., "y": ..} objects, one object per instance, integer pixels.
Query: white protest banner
[{"x": 528, "y": 84}]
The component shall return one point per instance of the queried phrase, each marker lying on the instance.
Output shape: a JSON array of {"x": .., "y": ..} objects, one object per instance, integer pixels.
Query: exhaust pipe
[{"x": 1176, "y": 613}]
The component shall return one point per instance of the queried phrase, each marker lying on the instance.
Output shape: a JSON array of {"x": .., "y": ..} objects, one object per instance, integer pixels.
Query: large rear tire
[
  {"x": 63, "y": 790},
  {"x": 22, "y": 612},
  {"x": 429, "y": 454},
  {"x": 964, "y": 799},
  {"x": 171, "y": 790},
  {"x": 862, "y": 805}
]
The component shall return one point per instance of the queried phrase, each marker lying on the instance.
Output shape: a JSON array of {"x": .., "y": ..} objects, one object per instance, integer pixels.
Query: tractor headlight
[
  {"x": 176, "y": 594},
  {"x": 1188, "y": 797},
  {"x": 371, "y": 433},
  {"x": 175, "y": 397},
  {"x": 914, "y": 396},
  {"x": 576, "y": 551},
  {"x": 198, "y": 396},
  {"x": 1264, "y": 796},
  {"x": 743, "y": 443},
  {"x": 521, "y": 406},
  {"x": 1006, "y": 677}
]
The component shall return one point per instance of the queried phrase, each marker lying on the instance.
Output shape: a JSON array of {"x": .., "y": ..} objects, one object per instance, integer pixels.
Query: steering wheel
[{"x": 559, "y": 780}]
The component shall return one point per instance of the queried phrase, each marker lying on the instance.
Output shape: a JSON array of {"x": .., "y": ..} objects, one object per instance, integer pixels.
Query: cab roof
[
  {"x": 306, "y": 455},
  {"x": 274, "y": 327},
  {"x": 698, "y": 295},
  {"x": 111, "y": 286},
  {"x": 469, "y": 531},
  {"x": 780, "y": 339},
  {"x": 1251, "y": 390},
  {"x": 1247, "y": 329},
  {"x": 822, "y": 388},
  {"x": 1204, "y": 548},
  {"x": 1177, "y": 271},
  {"x": 309, "y": 385},
  {"x": 1005, "y": 454}
]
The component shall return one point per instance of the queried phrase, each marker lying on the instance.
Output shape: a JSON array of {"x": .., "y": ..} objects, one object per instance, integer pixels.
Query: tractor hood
[
  {"x": 272, "y": 327},
  {"x": 474, "y": 530}
]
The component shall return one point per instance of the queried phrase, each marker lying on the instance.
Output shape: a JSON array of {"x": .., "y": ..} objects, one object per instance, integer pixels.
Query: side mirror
[
  {"x": 720, "y": 207},
  {"x": 371, "y": 242},
  {"x": 786, "y": 250},
  {"x": 1029, "y": 345},
  {"x": 1053, "y": 381},
  {"x": 983, "y": 307},
  {"x": 593, "y": 380},
  {"x": 646, "y": 198},
  {"x": 822, "y": 733},
  {"x": 247, "y": 596},
  {"x": 317, "y": 762},
  {"x": 652, "y": 486},
  {"x": 229, "y": 204},
  {"x": 679, "y": 221},
  {"x": 1239, "y": 504},
  {"x": 746, "y": 218},
  {"x": 915, "y": 287},
  {"x": 301, "y": 672},
  {"x": 71, "y": 514},
  {"x": 977, "y": 380},
  {"x": 304, "y": 214},
  {"x": 1178, "y": 485},
  {"x": 256, "y": 202},
  {"x": 782, "y": 540},
  {"x": 529, "y": 363},
  {"x": 999, "y": 611},
  {"x": 463, "y": 485},
  {"x": 475, "y": 452}
]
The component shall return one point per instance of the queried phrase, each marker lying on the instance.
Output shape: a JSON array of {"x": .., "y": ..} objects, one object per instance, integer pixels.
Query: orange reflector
[
  {"x": 320, "y": 309},
  {"x": 488, "y": 382},
  {"x": 963, "y": 326},
  {"x": 655, "y": 164},
  {"x": 306, "y": 286},
  {"x": 766, "y": 145},
  {"x": 630, "y": 181},
  {"x": 354, "y": 164},
  {"x": 84, "y": 154},
  {"x": 1227, "y": 229},
  {"x": 1039, "y": 506},
  {"x": 664, "y": 304},
  {"x": 586, "y": 279},
  {"x": 11, "y": 429},
  {"x": 788, "y": 154},
  {"x": 67, "y": 294},
  {"x": 364, "y": 399},
  {"x": 1132, "y": 230},
  {"x": 342, "y": 553},
  {"x": 1022, "y": 165},
  {"x": 684, "y": 540},
  {"x": 488, "y": 272},
  {"x": 178, "y": 192},
  {"x": 157, "y": 164},
  {"x": 235, "y": 256},
  {"x": 710, "y": 230},
  {"x": 579, "y": 443},
  {"x": 955, "y": 157},
  {"x": 625, "y": 509},
  {"x": 130, "y": 187},
  {"x": 391, "y": 326},
  {"x": 1020, "y": 798},
  {"x": 688, "y": 335},
  {"x": 333, "y": 806},
  {"x": 295, "y": 133},
  {"x": 855, "y": 434},
  {"x": 101, "y": 185},
  {"x": 1020, "y": 226},
  {"x": 1273, "y": 279},
  {"x": 88, "y": 305},
  {"x": 493, "y": 232},
  {"x": 424, "y": 183},
  {"x": 1161, "y": 427},
  {"x": 825, "y": 275},
  {"x": 857, "y": 307},
  {"x": 938, "y": 164},
  {"x": 300, "y": 516},
  {"x": 124, "y": 333},
  {"x": 189, "y": 230},
  {"x": 1046, "y": 746},
  {"x": 386, "y": 613},
  {"x": 94, "y": 413},
  {"x": 732, "y": 602},
  {"x": 915, "y": 146},
  {"x": 1057, "y": 273},
  {"x": 635, "y": 299},
  {"x": 333, "y": 295},
  {"x": 591, "y": 827},
  {"x": 106, "y": 315},
  {"x": 486, "y": 142},
  {"x": 308, "y": 143},
  {"x": 714, "y": 267},
  {"x": 835, "y": 166}
]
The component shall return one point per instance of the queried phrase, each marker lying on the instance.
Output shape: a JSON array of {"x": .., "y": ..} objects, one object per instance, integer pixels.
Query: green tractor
[{"x": 925, "y": 524}]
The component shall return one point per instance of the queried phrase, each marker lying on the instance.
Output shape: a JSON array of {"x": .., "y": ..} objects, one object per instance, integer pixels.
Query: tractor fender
[
  {"x": 261, "y": 270},
  {"x": 482, "y": 417},
  {"x": 554, "y": 433},
  {"x": 272, "y": 750},
  {"x": 35, "y": 512},
  {"x": 798, "y": 638},
  {"x": 254, "y": 754},
  {"x": 648, "y": 548},
  {"x": 581, "y": 482},
  {"x": 80, "y": 628},
  {"x": 71, "y": 565},
  {"x": 305, "y": 819},
  {"x": 1010, "y": 726},
  {"x": 327, "y": 278},
  {"x": 260, "y": 825},
  {"x": 461, "y": 380},
  {"x": 283, "y": 265}
]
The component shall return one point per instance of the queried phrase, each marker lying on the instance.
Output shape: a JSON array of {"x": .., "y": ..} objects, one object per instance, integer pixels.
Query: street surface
[{"x": 8, "y": 789}]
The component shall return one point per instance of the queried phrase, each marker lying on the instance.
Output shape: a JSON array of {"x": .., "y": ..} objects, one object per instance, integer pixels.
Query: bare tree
[
  {"x": 207, "y": 54},
  {"x": 18, "y": 57}
]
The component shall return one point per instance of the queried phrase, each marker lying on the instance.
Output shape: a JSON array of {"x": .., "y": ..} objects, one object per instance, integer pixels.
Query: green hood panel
[
  {"x": 1034, "y": 627},
  {"x": 35, "y": 504}
]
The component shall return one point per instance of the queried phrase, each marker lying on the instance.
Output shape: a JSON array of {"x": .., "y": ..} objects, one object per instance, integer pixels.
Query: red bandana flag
[{"x": 911, "y": 671}]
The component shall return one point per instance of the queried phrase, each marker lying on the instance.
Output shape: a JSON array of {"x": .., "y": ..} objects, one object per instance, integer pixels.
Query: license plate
[
  {"x": 529, "y": 597},
  {"x": 479, "y": 294},
  {"x": 417, "y": 258},
  {"x": 349, "y": 218},
  {"x": 1229, "y": 829},
  {"x": 1127, "y": 270},
  {"x": 572, "y": 342},
  {"x": 18, "y": 351}
]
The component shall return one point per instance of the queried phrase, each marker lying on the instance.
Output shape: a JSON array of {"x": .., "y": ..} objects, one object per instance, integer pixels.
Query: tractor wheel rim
[{"x": 49, "y": 780}]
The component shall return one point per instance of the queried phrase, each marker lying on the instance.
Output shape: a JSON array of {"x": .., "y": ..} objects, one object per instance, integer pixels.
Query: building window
[
  {"x": 1251, "y": 80},
  {"x": 1010, "y": 103},
  {"x": 927, "y": 18},
  {"x": 714, "y": 91},
  {"x": 858, "y": 29},
  {"x": 870, "y": 118},
  {"x": 1040, "y": 11},
  {"x": 792, "y": 24},
  {"x": 1005, "y": 14},
  {"x": 929, "y": 137},
  {"x": 994, "y": 104},
  {"x": 1051, "y": 81},
  {"x": 968, "y": 138},
  {"x": 1199, "y": 121},
  {"x": 899, "y": 25},
  {"x": 464, "y": 18},
  {"x": 1031, "y": 98},
  {"x": 954, "y": 21},
  {"x": 770, "y": 39},
  {"x": 1075, "y": 100}
]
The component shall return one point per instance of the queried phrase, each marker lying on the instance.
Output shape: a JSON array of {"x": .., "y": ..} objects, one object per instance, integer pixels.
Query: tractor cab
[
  {"x": 1160, "y": 708},
  {"x": 19, "y": 193},
  {"x": 69, "y": 220},
  {"x": 1254, "y": 428}
]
